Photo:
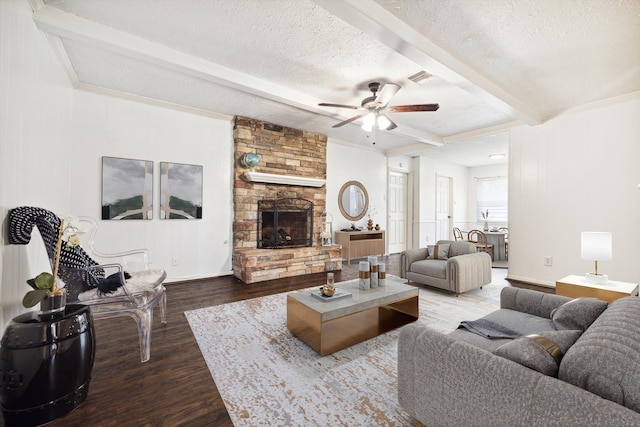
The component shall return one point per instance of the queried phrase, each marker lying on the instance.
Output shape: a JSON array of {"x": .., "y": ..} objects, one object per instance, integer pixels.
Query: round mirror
[{"x": 353, "y": 200}]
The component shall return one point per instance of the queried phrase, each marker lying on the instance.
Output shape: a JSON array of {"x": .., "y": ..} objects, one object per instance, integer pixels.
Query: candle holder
[
  {"x": 364, "y": 275},
  {"x": 382, "y": 275},
  {"x": 373, "y": 263}
]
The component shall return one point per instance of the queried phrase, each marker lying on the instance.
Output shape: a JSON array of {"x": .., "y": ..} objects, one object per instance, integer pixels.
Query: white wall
[
  {"x": 52, "y": 138},
  {"x": 105, "y": 126},
  {"x": 578, "y": 172},
  {"x": 346, "y": 163},
  {"x": 35, "y": 141}
]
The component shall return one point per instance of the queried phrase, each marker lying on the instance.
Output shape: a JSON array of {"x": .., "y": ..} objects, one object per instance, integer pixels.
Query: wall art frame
[
  {"x": 127, "y": 189},
  {"x": 180, "y": 191}
]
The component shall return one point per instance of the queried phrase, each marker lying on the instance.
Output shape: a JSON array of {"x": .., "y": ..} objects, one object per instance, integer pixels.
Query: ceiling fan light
[
  {"x": 383, "y": 123},
  {"x": 368, "y": 122}
]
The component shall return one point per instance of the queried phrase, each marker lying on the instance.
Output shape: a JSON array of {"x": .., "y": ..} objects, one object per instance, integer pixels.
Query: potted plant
[
  {"x": 52, "y": 299},
  {"x": 485, "y": 216}
]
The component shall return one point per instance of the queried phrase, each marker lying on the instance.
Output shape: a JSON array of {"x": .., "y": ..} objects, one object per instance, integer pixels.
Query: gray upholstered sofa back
[
  {"x": 606, "y": 358},
  {"x": 458, "y": 247},
  {"x": 533, "y": 302}
]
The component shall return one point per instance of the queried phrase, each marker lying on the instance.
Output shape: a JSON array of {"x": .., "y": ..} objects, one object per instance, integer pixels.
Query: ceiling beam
[
  {"x": 373, "y": 19},
  {"x": 407, "y": 150},
  {"x": 480, "y": 133}
]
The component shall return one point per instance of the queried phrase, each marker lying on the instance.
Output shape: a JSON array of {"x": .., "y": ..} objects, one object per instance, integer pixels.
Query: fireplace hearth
[{"x": 285, "y": 223}]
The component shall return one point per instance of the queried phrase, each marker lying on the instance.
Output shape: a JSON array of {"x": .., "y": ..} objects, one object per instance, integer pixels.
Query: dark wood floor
[{"x": 175, "y": 387}]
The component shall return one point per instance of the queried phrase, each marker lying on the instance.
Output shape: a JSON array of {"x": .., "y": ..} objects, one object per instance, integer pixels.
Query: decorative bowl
[{"x": 327, "y": 290}]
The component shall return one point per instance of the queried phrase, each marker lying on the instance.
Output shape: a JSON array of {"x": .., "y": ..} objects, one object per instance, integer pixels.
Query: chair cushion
[
  {"x": 440, "y": 251},
  {"x": 140, "y": 281},
  {"x": 430, "y": 267}
]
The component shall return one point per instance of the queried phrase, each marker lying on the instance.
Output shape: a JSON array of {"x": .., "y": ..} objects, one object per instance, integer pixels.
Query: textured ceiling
[{"x": 494, "y": 62}]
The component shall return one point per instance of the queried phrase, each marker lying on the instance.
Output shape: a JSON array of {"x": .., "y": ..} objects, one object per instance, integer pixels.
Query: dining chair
[
  {"x": 478, "y": 238},
  {"x": 457, "y": 234},
  {"x": 90, "y": 275},
  {"x": 505, "y": 230}
]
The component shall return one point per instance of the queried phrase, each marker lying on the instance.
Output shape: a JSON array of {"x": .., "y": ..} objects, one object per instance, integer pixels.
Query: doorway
[
  {"x": 443, "y": 207},
  {"x": 397, "y": 206}
]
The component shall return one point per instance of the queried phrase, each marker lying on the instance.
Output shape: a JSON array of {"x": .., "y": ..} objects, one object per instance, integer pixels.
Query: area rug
[{"x": 268, "y": 377}]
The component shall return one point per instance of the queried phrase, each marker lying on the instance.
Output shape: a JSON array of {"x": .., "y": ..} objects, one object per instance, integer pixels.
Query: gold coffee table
[{"x": 329, "y": 326}]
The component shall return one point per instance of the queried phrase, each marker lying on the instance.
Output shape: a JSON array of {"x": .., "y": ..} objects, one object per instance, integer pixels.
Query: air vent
[{"x": 420, "y": 76}]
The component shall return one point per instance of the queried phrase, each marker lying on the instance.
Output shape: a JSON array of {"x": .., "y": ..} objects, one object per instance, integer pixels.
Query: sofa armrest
[
  {"x": 410, "y": 256},
  {"x": 446, "y": 382},
  {"x": 469, "y": 271},
  {"x": 529, "y": 301}
]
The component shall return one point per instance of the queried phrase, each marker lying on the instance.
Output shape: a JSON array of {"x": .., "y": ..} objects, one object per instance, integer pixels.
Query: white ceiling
[{"x": 494, "y": 63}]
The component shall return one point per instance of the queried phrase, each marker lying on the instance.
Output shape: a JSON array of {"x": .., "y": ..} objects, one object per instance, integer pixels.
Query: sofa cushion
[
  {"x": 578, "y": 313},
  {"x": 541, "y": 352},
  {"x": 430, "y": 267},
  {"x": 606, "y": 359},
  {"x": 440, "y": 251}
]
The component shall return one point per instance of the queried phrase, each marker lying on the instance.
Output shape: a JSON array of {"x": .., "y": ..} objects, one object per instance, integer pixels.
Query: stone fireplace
[
  {"x": 300, "y": 157},
  {"x": 285, "y": 223}
]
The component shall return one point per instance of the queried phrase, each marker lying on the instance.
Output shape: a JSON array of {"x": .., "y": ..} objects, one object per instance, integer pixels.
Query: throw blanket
[
  {"x": 488, "y": 329},
  {"x": 73, "y": 259}
]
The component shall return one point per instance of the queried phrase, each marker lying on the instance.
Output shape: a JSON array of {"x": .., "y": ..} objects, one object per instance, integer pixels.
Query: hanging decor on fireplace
[{"x": 285, "y": 223}]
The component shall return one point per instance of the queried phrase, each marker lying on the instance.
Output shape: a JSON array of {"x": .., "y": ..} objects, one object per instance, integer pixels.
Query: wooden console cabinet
[{"x": 361, "y": 243}]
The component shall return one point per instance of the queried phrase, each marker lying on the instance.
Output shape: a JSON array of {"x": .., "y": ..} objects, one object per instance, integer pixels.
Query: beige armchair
[{"x": 456, "y": 266}]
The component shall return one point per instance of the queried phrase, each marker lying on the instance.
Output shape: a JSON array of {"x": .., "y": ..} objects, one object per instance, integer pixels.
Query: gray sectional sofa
[
  {"x": 457, "y": 266},
  {"x": 465, "y": 379}
]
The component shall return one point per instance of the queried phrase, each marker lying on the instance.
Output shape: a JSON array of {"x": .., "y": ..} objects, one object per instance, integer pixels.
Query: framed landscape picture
[
  {"x": 180, "y": 191},
  {"x": 127, "y": 188}
]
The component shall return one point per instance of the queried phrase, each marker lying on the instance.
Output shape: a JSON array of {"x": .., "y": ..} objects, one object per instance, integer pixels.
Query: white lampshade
[
  {"x": 597, "y": 246},
  {"x": 368, "y": 121},
  {"x": 383, "y": 122}
]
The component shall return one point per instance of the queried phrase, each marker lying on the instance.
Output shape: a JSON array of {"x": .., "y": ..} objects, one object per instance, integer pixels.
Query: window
[{"x": 493, "y": 196}]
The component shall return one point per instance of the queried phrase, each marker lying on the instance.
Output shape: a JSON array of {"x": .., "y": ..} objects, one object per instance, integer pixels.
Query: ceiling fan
[{"x": 376, "y": 106}]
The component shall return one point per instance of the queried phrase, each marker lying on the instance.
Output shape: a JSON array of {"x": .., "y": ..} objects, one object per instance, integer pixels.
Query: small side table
[{"x": 577, "y": 286}]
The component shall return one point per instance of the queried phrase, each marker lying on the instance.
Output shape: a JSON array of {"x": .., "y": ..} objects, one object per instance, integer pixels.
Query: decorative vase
[
  {"x": 46, "y": 365},
  {"x": 486, "y": 226},
  {"x": 53, "y": 303},
  {"x": 377, "y": 227},
  {"x": 370, "y": 224}
]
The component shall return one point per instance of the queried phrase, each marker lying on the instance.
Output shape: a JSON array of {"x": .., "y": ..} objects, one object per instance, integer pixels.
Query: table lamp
[{"x": 596, "y": 246}]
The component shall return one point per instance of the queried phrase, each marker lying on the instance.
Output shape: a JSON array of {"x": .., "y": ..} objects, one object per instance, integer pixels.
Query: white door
[
  {"x": 443, "y": 207},
  {"x": 397, "y": 207}
]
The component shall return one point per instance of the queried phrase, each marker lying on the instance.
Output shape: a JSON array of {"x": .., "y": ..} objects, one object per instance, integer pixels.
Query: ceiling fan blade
[
  {"x": 352, "y": 119},
  {"x": 324, "y": 104},
  {"x": 392, "y": 125},
  {"x": 410, "y": 108},
  {"x": 386, "y": 93}
]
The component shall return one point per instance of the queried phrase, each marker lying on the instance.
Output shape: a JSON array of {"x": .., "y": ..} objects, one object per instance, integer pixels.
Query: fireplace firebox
[{"x": 285, "y": 223}]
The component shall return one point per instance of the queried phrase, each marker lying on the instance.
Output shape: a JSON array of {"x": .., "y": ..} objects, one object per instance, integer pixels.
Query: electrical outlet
[
  {"x": 175, "y": 261},
  {"x": 548, "y": 261}
]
